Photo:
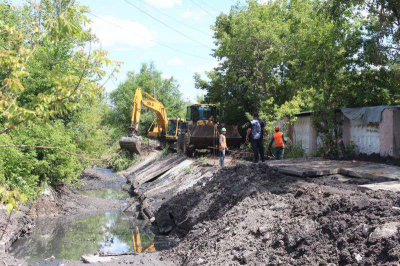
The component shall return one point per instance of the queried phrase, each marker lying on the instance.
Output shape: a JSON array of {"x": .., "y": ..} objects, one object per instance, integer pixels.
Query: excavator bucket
[{"x": 131, "y": 144}]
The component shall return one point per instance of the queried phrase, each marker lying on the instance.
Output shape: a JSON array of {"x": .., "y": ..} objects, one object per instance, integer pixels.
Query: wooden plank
[
  {"x": 157, "y": 169},
  {"x": 142, "y": 165}
]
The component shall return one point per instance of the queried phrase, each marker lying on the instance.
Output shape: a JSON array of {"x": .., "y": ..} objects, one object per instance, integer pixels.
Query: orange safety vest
[
  {"x": 222, "y": 145},
  {"x": 278, "y": 139}
]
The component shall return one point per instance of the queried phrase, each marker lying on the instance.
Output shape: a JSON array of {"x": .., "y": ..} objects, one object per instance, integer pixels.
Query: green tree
[
  {"x": 289, "y": 56},
  {"x": 45, "y": 72},
  {"x": 49, "y": 93},
  {"x": 148, "y": 78}
]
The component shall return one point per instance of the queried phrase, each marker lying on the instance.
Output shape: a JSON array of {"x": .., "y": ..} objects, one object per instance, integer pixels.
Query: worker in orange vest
[
  {"x": 279, "y": 141},
  {"x": 222, "y": 147}
]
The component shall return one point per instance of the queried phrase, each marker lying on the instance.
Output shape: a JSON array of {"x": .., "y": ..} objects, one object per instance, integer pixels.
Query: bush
[
  {"x": 27, "y": 169},
  {"x": 123, "y": 161},
  {"x": 295, "y": 152},
  {"x": 51, "y": 166},
  {"x": 16, "y": 168}
]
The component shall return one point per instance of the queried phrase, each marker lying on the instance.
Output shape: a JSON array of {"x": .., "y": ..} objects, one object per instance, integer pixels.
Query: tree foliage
[
  {"x": 45, "y": 71},
  {"x": 50, "y": 93},
  {"x": 148, "y": 78},
  {"x": 310, "y": 55}
]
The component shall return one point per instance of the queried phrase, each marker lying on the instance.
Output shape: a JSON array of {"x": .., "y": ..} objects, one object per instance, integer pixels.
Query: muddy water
[
  {"x": 105, "y": 194},
  {"x": 70, "y": 238}
]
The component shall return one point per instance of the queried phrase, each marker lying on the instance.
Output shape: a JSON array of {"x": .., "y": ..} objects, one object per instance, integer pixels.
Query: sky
[{"x": 133, "y": 37}]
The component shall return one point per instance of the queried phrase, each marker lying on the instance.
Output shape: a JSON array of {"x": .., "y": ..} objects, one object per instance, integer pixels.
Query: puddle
[
  {"x": 105, "y": 194},
  {"x": 69, "y": 238}
]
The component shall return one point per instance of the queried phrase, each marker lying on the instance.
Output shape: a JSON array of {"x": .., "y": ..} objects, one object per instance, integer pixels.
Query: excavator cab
[
  {"x": 202, "y": 114},
  {"x": 172, "y": 129}
]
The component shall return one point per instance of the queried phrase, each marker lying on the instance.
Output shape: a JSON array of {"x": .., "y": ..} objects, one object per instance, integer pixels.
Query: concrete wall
[{"x": 304, "y": 134}]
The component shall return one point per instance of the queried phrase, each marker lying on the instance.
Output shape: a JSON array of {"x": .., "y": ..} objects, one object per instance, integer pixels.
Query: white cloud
[
  {"x": 202, "y": 68},
  {"x": 164, "y": 3},
  {"x": 175, "y": 62},
  {"x": 119, "y": 39},
  {"x": 166, "y": 76},
  {"x": 188, "y": 14}
]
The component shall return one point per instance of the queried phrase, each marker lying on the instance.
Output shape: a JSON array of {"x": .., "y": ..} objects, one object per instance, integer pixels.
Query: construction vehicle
[
  {"x": 201, "y": 130},
  {"x": 163, "y": 129}
]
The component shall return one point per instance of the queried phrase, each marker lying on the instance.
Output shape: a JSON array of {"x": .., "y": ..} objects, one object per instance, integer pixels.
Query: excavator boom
[{"x": 132, "y": 143}]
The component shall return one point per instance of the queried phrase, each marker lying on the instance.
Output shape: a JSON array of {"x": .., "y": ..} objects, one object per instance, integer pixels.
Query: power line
[
  {"x": 166, "y": 25},
  {"x": 174, "y": 18},
  {"x": 202, "y": 8},
  {"x": 204, "y": 3},
  {"x": 134, "y": 33}
]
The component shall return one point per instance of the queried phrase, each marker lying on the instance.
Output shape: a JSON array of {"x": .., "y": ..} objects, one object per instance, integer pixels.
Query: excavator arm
[
  {"x": 133, "y": 142},
  {"x": 142, "y": 98}
]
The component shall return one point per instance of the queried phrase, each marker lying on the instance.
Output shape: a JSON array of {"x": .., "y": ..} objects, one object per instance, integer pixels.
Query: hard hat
[
  {"x": 277, "y": 128},
  {"x": 223, "y": 129}
]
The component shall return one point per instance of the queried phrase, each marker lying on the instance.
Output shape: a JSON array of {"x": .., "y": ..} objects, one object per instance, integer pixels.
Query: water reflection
[
  {"x": 68, "y": 238},
  {"x": 105, "y": 194}
]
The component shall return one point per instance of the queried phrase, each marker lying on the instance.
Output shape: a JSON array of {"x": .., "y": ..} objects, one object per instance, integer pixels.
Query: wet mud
[
  {"x": 66, "y": 223},
  {"x": 249, "y": 214}
]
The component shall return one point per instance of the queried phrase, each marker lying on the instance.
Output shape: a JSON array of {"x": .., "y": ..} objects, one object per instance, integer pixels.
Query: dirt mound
[{"x": 250, "y": 214}]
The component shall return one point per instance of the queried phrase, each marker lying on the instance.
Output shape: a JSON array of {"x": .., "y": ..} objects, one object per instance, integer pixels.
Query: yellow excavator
[{"x": 164, "y": 129}]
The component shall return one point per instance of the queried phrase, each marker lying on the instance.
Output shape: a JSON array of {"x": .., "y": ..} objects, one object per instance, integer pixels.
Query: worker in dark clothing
[
  {"x": 255, "y": 133},
  {"x": 279, "y": 141}
]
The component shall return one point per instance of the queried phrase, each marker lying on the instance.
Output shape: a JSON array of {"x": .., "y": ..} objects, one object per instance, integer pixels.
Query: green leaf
[{"x": 9, "y": 207}]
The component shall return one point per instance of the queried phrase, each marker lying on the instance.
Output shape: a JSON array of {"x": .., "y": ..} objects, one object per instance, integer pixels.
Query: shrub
[
  {"x": 16, "y": 167},
  {"x": 295, "y": 152},
  {"x": 52, "y": 166},
  {"x": 123, "y": 161}
]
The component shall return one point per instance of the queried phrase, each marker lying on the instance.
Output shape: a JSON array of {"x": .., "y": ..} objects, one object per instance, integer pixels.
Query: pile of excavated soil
[{"x": 251, "y": 214}]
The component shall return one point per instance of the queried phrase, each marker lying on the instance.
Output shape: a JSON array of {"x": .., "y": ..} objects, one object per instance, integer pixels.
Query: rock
[
  {"x": 227, "y": 229},
  {"x": 357, "y": 257},
  {"x": 365, "y": 230},
  {"x": 248, "y": 256},
  {"x": 298, "y": 194},
  {"x": 279, "y": 206},
  {"x": 384, "y": 231},
  {"x": 363, "y": 204},
  {"x": 52, "y": 258},
  {"x": 95, "y": 259},
  {"x": 262, "y": 230}
]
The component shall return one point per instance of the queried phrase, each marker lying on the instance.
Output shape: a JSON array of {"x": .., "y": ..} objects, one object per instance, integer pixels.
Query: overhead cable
[
  {"x": 174, "y": 18},
  {"x": 202, "y": 8},
  {"x": 166, "y": 25},
  {"x": 204, "y": 3},
  {"x": 134, "y": 33}
]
